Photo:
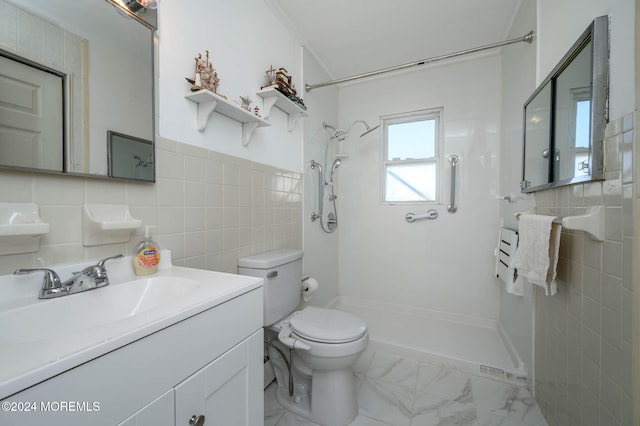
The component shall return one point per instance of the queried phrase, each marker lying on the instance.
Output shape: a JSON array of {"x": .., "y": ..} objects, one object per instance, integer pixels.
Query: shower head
[
  {"x": 369, "y": 129},
  {"x": 334, "y": 166},
  {"x": 336, "y": 133},
  {"x": 341, "y": 135},
  {"x": 329, "y": 126}
]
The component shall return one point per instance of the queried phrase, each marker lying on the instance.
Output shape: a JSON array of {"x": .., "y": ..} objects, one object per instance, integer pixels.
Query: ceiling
[{"x": 350, "y": 37}]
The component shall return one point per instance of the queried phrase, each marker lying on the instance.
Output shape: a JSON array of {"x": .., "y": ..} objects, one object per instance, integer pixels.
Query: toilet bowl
[
  {"x": 316, "y": 380},
  {"x": 326, "y": 343}
]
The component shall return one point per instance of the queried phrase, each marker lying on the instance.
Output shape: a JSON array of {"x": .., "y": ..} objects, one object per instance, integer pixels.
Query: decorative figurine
[
  {"x": 282, "y": 82},
  {"x": 246, "y": 102},
  {"x": 205, "y": 76},
  {"x": 256, "y": 111},
  {"x": 270, "y": 77}
]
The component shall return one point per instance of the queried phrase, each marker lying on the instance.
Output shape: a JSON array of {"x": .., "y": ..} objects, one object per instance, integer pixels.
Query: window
[
  {"x": 411, "y": 157},
  {"x": 580, "y": 128}
]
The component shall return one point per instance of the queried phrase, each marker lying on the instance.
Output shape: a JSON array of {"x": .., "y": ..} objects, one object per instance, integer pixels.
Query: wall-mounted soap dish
[
  {"x": 107, "y": 224},
  {"x": 20, "y": 228}
]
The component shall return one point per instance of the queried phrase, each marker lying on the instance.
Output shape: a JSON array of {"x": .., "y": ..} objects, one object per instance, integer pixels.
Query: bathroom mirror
[
  {"x": 72, "y": 73},
  {"x": 565, "y": 118}
]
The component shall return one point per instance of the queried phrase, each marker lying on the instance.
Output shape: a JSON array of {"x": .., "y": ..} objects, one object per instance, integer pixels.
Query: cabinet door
[
  {"x": 157, "y": 413},
  {"x": 227, "y": 391}
]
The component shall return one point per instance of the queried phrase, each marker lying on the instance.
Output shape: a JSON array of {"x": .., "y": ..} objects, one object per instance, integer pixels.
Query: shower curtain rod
[{"x": 527, "y": 39}]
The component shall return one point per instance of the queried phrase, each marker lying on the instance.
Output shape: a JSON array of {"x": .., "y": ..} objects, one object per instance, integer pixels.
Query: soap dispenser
[{"x": 146, "y": 255}]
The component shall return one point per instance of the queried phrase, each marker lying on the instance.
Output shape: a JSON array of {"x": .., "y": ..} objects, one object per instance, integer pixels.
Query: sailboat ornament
[
  {"x": 281, "y": 81},
  {"x": 204, "y": 76}
]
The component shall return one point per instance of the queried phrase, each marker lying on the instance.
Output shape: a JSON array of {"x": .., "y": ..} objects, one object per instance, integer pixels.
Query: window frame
[
  {"x": 408, "y": 117},
  {"x": 580, "y": 94}
]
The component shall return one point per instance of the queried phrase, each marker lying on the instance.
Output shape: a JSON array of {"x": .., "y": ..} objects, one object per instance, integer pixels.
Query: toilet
[{"x": 317, "y": 345}]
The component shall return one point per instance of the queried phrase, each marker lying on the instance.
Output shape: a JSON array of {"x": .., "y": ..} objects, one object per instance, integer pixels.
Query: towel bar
[{"x": 592, "y": 222}]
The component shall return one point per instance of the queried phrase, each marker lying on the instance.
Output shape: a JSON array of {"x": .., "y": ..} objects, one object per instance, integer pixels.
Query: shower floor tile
[{"x": 399, "y": 391}]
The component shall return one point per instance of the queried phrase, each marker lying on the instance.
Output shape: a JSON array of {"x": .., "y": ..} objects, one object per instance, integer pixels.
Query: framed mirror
[
  {"x": 565, "y": 118},
  {"x": 72, "y": 73},
  {"x": 130, "y": 157}
]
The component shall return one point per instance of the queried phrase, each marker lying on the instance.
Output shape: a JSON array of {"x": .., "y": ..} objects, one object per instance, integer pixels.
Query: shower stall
[{"x": 427, "y": 287}]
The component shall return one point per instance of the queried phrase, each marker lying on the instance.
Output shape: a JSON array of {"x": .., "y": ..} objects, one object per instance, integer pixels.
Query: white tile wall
[
  {"x": 210, "y": 209},
  {"x": 583, "y": 334}
]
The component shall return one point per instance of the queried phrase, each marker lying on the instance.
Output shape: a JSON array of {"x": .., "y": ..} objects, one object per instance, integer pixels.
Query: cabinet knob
[{"x": 197, "y": 420}]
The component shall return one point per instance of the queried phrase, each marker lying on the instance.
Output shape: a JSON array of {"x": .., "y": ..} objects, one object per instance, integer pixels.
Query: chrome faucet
[{"x": 89, "y": 278}]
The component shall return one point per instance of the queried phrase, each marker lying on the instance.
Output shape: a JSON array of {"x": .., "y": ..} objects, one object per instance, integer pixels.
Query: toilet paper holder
[
  {"x": 309, "y": 286},
  {"x": 302, "y": 283}
]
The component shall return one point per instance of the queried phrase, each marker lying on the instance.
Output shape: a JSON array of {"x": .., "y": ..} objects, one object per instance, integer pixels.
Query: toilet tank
[{"x": 282, "y": 274}]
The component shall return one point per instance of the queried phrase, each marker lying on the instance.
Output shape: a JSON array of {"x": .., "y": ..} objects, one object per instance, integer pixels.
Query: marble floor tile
[
  {"x": 386, "y": 402},
  {"x": 273, "y": 411},
  {"x": 362, "y": 364},
  {"x": 394, "y": 391},
  {"x": 506, "y": 400},
  {"x": 393, "y": 369},
  {"x": 429, "y": 410},
  {"x": 486, "y": 418},
  {"x": 290, "y": 419},
  {"x": 444, "y": 383},
  {"x": 367, "y": 421}
]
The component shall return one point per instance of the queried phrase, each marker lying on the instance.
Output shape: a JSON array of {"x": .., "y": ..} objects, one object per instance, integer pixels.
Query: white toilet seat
[{"x": 329, "y": 326}]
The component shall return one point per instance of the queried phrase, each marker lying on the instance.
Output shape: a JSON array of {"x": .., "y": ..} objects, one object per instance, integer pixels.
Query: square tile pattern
[
  {"x": 583, "y": 335},
  {"x": 397, "y": 391},
  {"x": 209, "y": 209}
]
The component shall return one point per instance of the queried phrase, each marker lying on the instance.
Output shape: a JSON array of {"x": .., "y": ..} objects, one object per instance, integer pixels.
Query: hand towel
[{"x": 537, "y": 255}]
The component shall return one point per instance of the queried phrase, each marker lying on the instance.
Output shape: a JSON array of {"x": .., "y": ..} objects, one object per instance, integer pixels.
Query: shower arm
[{"x": 528, "y": 38}]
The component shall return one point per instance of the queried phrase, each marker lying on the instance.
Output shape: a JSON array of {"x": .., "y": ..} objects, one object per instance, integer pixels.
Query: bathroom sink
[
  {"x": 51, "y": 319},
  {"x": 42, "y": 338}
]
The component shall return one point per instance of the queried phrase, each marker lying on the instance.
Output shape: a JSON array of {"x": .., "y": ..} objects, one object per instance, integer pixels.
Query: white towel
[{"x": 537, "y": 255}]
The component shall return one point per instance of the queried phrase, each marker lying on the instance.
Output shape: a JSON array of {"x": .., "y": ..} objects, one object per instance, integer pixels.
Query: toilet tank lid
[{"x": 270, "y": 259}]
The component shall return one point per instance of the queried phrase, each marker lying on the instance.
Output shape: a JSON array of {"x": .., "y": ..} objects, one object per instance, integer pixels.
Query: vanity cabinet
[
  {"x": 158, "y": 412},
  {"x": 208, "y": 364},
  {"x": 226, "y": 390}
]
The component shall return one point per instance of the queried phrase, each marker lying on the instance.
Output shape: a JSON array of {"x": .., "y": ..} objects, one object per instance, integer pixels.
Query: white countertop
[{"x": 26, "y": 361}]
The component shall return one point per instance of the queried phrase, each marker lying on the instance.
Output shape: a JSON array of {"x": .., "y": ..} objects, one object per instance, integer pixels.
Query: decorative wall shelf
[
  {"x": 273, "y": 97},
  {"x": 208, "y": 102},
  {"x": 107, "y": 224},
  {"x": 20, "y": 228}
]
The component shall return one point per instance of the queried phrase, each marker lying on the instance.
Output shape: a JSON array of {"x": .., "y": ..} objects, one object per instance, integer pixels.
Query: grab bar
[
  {"x": 412, "y": 217},
  {"x": 317, "y": 166},
  {"x": 453, "y": 160}
]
